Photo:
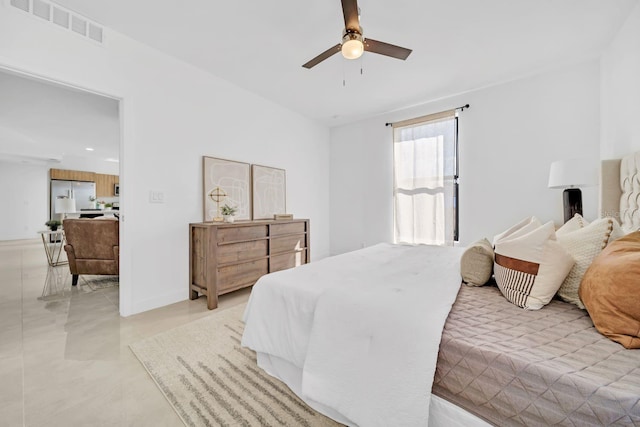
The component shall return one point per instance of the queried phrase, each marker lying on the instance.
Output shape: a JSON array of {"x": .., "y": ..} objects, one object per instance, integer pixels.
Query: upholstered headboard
[{"x": 620, "y": 191}]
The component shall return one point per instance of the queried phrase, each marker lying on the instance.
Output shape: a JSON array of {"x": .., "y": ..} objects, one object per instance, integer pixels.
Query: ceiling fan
[{"x": 353, "y": 42}]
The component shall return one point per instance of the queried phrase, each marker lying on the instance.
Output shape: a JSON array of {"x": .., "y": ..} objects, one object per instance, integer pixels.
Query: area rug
[
  {"x": 210, "y": 380},
  {"x": 99, "y": 282}
]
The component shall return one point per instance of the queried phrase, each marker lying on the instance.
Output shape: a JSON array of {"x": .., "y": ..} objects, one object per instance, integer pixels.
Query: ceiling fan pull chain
[{"x": 344, "y": 79}]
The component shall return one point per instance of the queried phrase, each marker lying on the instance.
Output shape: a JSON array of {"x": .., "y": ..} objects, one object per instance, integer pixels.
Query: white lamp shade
[
  {"x": 65, "y": 205},
  {"x": 572, "y": 173}
]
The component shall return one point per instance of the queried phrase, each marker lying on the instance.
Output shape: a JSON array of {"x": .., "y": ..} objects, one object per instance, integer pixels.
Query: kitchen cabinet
[
  {"x": 105, "y": 184},
  {"x": 71, "y": 175}
]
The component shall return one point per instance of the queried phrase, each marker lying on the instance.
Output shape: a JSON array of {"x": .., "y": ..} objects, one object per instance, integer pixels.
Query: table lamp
[
  {"x": 65, "y": 205},
  {"x": 570, "y": 175}
]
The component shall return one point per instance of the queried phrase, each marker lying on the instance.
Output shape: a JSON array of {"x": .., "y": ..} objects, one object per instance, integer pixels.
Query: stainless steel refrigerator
[{"x": 78, "y": 190}]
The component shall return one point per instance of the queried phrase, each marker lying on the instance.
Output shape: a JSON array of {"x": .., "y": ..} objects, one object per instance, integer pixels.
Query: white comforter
[{"x": 364, "y": 328}]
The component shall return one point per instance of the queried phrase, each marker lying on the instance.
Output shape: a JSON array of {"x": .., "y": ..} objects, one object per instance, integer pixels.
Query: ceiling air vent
[{"x": 62, "y": 18}]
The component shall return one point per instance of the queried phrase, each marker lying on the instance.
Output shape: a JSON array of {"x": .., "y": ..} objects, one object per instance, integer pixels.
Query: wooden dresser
[{"x": 224, "y": 257}]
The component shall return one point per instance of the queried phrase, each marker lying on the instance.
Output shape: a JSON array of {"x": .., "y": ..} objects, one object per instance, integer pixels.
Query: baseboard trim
[{"x": 158, "y": 301}]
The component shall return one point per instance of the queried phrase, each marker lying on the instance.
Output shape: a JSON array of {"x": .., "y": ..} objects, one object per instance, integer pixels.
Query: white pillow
[
  {"x": 584, "y": 244},
  {"x": 574, "y": 224},
  {"x": 529, "y": 268},
  {"x": 521, "y": 227}
]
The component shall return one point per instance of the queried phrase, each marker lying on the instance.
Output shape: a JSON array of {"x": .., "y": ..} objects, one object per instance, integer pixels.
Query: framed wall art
[
  {"x": 269, "y": 191},
  {"x": 226, "y": 182}
]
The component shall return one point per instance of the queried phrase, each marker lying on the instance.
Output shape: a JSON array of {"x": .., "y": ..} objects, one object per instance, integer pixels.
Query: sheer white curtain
[{"x": 424, "y": 176}]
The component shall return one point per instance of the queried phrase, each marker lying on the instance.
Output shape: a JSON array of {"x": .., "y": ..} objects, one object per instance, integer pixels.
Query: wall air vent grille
[
  {"x": 61, "y": 17},
  {"x": 21, "y": 4},
  {"x": 79, "y": 25},
  {"x": 41, "y": 9}
]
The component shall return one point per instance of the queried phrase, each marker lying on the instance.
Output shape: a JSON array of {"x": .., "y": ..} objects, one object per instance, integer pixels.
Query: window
[{"x": 426, "y": 179}]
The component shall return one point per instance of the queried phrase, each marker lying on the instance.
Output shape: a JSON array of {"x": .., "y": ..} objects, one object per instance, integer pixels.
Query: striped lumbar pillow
[{"x": 530, "y": 266}]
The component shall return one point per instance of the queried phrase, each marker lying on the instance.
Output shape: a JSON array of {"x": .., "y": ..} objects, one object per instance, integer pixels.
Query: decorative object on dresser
[
  {"x": 570, "y": 175},
  {"x": 269, "y": 191},
  {"x": 228, "y": 213},
  {"x": 224, "y": 257},
  {"x": 217, "y": 195},
  {"x": 230, "y": 178},
  {"x": 282, "y": 216}
]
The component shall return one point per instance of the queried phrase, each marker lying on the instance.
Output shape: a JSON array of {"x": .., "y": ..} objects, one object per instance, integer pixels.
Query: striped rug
[{"x": 211, "y": 381}]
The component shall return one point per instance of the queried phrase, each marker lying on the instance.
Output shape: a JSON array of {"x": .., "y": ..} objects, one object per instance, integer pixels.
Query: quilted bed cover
[{"x": 546, "y": 367}]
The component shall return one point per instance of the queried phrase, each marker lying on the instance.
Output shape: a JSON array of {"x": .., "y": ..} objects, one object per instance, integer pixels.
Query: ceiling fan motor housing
[{"x": 352, "y": 34}]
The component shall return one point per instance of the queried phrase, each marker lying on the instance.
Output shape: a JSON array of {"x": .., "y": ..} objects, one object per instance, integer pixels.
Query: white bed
[
  {"x": 393, "y": 301},
  {"x": 296, "y": 317}
]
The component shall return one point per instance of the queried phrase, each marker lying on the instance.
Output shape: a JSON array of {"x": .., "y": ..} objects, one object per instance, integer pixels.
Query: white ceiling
[
  {"x": 457, "y": 45},
  {"x": 42, "y": 122}
]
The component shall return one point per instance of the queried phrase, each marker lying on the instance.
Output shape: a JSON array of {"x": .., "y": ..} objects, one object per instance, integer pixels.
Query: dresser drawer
[
  {"x": 288, "y": 228},
  {"x": 234, "y": 276},
  {"x": 287, "y": 260},
  {"x": 242, "y": 251},
  {"x": 288, "y": 243},
  {"x": 234, "y": 234}
]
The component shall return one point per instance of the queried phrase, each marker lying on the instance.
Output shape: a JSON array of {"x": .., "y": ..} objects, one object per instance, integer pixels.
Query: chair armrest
[{"x": 71, "y": 256}]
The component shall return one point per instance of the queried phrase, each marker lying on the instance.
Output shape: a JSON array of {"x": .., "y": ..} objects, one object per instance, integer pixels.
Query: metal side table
[{"x": 53, "y": 242}]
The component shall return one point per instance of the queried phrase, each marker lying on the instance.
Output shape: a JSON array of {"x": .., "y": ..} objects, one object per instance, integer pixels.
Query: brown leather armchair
[{"x": 92, "y": 246}]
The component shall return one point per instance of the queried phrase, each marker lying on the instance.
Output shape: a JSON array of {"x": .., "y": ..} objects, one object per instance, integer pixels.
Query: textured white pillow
[
  {"x": 584, "y": 244},
  {"x": 529, "y": 268},
  {"x": 574, "y": 224}
]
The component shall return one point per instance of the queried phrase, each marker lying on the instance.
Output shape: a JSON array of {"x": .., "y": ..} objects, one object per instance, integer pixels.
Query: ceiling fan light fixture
[{"x": 352, "y": 45}]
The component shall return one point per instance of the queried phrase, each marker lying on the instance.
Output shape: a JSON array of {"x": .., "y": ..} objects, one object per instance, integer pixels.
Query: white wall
[
  {"x": 26, "y": 185},
  {"x": 25, "y": 200},
  {"x": 621, "y": 91},
  {"x": 173, "y": 114},
  {"x": 508, "y": 139}
]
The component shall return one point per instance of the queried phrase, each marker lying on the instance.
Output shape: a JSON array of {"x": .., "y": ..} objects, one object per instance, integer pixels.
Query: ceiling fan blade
[
  {"x": 350, "y": 12},
  {"x": 387, "y": 49},
  {"x": 324, "y": 55}
]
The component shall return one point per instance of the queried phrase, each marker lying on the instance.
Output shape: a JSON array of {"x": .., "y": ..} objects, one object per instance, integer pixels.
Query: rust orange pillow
[{"x": 610, "y": 291}]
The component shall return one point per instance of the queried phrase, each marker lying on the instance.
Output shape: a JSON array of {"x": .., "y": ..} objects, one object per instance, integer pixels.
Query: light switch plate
[{"x": 156, "y": 196}]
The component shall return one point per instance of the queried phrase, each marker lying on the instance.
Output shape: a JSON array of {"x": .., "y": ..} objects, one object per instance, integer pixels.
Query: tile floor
[{"x": 64, "y": 352}]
